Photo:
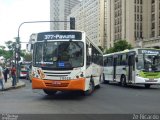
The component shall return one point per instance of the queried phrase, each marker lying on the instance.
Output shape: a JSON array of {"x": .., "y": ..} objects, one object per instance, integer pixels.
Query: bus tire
[
  {"x": 91, "y": 88},
  {"x": 49, "y": 92},
  {"x": 147, "y": 85},
  {"x": 123, "y": 81}
]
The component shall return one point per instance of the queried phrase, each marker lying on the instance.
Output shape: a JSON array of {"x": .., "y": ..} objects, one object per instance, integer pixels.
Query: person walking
[
  {"x": 1, "y": 77},
  {"x": 13, "y": 74},
  {"x": 6, "y": 72}
]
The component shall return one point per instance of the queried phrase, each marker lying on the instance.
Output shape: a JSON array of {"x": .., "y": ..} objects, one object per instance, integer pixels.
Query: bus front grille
[
  {"x": 56, "y": 85},
  {"x": 56, "y": 74}
]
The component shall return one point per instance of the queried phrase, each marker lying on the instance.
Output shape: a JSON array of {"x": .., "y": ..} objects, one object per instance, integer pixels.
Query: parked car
[{"x": 24, "y": 69}]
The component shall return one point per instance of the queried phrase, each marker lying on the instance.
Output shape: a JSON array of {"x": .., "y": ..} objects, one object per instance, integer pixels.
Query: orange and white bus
[{"x": 64, "y": 61}]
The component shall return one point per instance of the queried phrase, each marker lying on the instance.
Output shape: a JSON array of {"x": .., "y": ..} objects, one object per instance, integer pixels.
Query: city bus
[
  {"x": 65, "y": 60},
  {"x": 135, "y": 66}
]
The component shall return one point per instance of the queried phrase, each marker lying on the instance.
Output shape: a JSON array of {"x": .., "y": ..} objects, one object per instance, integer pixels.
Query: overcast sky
[{"x": 14, "y": 12}]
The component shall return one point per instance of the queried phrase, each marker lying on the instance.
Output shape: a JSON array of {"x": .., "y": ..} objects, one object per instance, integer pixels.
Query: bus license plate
[{"x": 57, "y": 83}]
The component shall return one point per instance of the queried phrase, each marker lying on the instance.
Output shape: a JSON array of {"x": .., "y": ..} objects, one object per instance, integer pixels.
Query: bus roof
[
  {"x": 131, "y": 50},
  {"x": 59, "y": 31}
]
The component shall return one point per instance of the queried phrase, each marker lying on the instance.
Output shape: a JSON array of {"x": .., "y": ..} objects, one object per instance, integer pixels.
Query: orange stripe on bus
[{"x": 62, "y": 85}]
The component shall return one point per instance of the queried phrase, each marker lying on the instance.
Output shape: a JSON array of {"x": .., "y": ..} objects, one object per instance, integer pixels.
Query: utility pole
[
  {"x": 17, "y": 57},
  {"x": 18, "y": 46}
]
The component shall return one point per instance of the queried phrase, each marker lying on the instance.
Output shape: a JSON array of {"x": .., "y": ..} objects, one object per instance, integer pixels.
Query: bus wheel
[
  {"x": 123, "y": 81},
  {"x": 90, "y": 90},
  {"x": 49, "y": 92},
  {"x": 147, "y": 85}
]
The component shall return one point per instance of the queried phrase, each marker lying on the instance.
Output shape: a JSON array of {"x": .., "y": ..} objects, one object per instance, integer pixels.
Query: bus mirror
[{"x": 90, "y": 51}]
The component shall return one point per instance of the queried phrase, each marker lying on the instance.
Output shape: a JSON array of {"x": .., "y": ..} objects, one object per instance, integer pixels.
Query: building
[
  {"x": 59, "y": 10},
  {"x": 89, "y": 17},
  {"x": 152, "y": 25},
  {"x": 136, "y": 21}
]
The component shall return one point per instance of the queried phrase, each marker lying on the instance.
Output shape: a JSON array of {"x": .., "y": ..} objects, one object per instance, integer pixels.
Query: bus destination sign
[
  {"x": 59, "y": 35},
  {"x": 149, "y": 51}
]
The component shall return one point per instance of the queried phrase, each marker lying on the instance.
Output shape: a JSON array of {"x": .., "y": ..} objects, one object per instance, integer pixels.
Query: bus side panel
[
  {"x": 94, "y": 71},
  {"x": 120, "y": 72},
  {"x": 108, "y": 71}
]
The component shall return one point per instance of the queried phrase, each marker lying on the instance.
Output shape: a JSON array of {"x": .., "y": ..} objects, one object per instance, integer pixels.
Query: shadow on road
[
  {"x": 69, "y": 95},
  {"x": 153, "y": 87}
]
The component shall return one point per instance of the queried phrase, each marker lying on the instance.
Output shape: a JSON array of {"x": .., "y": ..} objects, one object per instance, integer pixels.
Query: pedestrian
[
  {"x": 5, "y": 73},
  {"x": 13, "y": 74},
  {"x": 1, "y": 77}
]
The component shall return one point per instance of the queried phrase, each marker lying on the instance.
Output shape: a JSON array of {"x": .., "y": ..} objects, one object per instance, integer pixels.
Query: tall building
[
  {"x": 152, "y": 25},
  {"x": 89, "y": 17},
  {"x": 59, "y": 10},
  {"x": 121, "y": 21},
  {"x": 137, "y": 21}
]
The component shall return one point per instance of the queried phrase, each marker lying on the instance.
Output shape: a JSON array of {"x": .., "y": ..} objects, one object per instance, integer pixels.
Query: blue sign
[{"x": 61, "y": 64}]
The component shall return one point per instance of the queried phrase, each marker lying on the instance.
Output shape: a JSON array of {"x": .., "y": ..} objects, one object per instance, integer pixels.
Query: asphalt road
[{"x": 109, "y": 99}]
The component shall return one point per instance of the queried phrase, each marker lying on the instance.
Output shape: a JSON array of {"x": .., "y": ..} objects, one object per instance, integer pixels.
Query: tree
[
  {"x": 10, "y": 45},
  {"x": 100, "y": 47},
  {"x": 2, "y": 50},
  {"x": 119, "y": 46},
  {"x": 11, "y": 48},
  {"x": 26, "y": 56}
]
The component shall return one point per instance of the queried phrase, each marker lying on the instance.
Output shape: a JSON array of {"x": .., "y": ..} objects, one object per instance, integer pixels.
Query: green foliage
[
  {"x": 26, "y": 56},
  {"x": 100, "y": 47},
  {"x": 10, "y": 45},
  {"x": 119, "y": 46},
  {"x": 9, "y": 53}
]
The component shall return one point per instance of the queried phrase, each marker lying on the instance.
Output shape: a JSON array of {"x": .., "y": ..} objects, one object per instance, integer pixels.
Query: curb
[
  {"x": 9, "y": 86},
  {"x": 16, "y": 87}
]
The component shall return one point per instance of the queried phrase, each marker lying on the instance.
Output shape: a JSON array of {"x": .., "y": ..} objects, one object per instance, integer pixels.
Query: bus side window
[
  {"x": 88, "y": 57},
  {"x": 110, "y": 61},
  {"x": 105, "y": 61},
  {"x": 124, "y": 59}
]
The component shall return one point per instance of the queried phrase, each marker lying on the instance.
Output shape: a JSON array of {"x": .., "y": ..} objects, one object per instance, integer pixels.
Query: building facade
[
  {"x": 121, "y": 22},
  {"x": 136, "y": 21},
  {"x": 152, "y": 36},
  {"x": 89, "y": 17},
  {"x": 59, "y": 10}
]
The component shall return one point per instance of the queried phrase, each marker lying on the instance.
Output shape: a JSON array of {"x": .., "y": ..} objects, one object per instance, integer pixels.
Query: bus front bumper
[
  {"x": 140, "y": 80},
  {"x": 59, "y": 85}
]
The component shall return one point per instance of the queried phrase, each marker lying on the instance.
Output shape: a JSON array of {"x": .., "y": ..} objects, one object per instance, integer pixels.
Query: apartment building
[
  {"x": 89, "y": 16},
  {"x": 59, "y": 10},
  {"x": 136, "y": 21}
]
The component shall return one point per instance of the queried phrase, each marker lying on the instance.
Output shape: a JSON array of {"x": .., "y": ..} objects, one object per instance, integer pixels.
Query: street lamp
[{"x": 17, "y": 51}]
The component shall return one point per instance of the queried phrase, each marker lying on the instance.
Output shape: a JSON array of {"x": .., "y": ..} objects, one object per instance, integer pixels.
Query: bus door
[
  {"x": 114, "y": 67},
  {"x": 131, "y": 66}
]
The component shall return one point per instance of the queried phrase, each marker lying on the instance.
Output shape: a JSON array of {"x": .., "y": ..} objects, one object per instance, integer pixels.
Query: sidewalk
[{"x": 8, "y": 85}]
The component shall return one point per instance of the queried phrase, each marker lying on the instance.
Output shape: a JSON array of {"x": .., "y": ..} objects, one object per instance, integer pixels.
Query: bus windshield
[
  {"x": 148, "y": 62},
  {"x": 59, "y": 54}
]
